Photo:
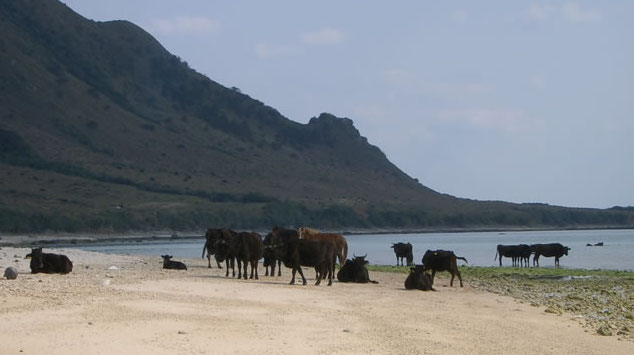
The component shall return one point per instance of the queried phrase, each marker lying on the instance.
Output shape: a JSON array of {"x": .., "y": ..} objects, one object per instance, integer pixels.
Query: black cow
[
  {"x": 211, "y": 237},
  {"x": 296, "y": 253},
  {"x": 269, "y": 259},
  {"x": 246, "y": 248},
  {"x": 355, "y": 270},
  {"x": 418, "y": 279},
  {"x": 520, "y": 254},
  {"x": 442, "y": 260},
  {"x": 549, "y": 250},
  {"x": 172, "y": 264},
  {"x": 403, "y": 250},
  {"x": 49, "y": 263}
]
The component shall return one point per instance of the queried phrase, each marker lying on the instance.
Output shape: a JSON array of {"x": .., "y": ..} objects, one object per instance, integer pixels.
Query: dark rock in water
[{"x": 11, "y": 273}]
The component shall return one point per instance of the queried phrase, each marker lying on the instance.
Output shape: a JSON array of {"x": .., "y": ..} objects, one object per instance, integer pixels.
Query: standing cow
[
  {"x": 211, "y": 237},
  {"x": 519, "y": 254},
  {"x": 296, "y": 253},
  {"x": 549, "y": 250},
  {"x": 442, "y": 260},
  {"x": 49, "y": 263},
  {"x": 341, "y": 245},
  {"x": 403, "y": 250}
]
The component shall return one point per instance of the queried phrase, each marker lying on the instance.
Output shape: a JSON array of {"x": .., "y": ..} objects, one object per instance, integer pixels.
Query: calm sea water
[{"x": 479, "y": 248}]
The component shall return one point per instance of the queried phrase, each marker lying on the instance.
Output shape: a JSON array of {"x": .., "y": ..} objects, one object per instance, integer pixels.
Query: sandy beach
[{"x": 130, "y": 305}]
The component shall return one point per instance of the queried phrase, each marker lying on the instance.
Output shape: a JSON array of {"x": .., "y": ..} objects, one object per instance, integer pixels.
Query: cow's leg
[
  {"x": 433, "y": 274},
  {"x": 255, "y": 266},
  {"x": 330, "y": 272},
  {"x": 459, "y": 277},
  {"x": 500, "y": 259},
  {"x": 227, "y": 273},
  {"x": 301, "y": 273},
  {"x": 279, "y": 268},
  {"x": 208, "y": 260},
  {"x": 293, "y": 278},
  {"x": 556, "y": 261}
]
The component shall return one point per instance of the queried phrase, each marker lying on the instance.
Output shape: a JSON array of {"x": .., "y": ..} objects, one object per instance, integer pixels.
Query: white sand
[{"x": 139, "y": 308}]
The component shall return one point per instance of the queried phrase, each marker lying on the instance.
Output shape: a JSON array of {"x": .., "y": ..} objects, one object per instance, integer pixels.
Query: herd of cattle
[
  {"x": 520, "y": 254},
  {"x": 308, "y": 247}
]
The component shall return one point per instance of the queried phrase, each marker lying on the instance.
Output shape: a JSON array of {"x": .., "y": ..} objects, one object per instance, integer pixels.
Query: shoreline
[
  {"x": 129, "y": 304},
  {"x": 78, "y": 239}
]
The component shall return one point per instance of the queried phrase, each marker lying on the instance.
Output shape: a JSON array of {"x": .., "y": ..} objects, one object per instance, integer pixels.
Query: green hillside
[{"x": 102, "y": 129}]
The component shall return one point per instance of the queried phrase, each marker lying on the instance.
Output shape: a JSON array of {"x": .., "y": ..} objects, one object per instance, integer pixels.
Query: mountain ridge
[{"x": 104, "y": 129}]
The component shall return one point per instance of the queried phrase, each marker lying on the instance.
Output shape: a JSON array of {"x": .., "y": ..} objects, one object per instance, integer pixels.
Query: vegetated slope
[{"x": 101, "y": 128}]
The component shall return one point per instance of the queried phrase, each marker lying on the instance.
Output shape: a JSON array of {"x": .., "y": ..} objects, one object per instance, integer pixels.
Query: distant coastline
[{"x": 65, "y": 239}]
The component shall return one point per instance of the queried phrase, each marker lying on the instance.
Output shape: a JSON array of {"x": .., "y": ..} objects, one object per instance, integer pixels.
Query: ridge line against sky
[{"x": 525, "y": 101}]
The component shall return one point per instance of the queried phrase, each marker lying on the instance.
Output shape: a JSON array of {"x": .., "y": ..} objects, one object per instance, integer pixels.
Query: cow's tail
[
  {"x": 345, "y": 253},
  {"x": 204, "y": 248},
  {"x": 496, "y": 256},
  {"x": 465, "y": 260}
]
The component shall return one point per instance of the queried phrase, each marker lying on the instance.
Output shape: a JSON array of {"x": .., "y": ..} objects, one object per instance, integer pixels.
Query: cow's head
[
  {"x": 566, "y": 250},
  {"x": 37, "y": 260},
  {"x": 360, "y": 260}
]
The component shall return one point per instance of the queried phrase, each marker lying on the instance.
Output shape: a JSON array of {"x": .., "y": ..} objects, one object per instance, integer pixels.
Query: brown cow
[{"x": 341, "y": 246}]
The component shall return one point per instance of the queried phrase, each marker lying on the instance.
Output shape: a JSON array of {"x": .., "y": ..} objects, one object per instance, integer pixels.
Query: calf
[
  {"x": 49, "y": 263},
  {"x": 171, "y": 264},
  {"x": 403, "y": 250},
  {"x": 355, "y": 270},
  {"x": 418, "y": 279},
  {"x": 442, "y": 260}
]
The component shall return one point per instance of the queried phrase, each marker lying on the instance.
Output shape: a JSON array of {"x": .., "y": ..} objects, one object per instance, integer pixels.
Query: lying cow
[
  {"x": 403, "y": 250},
  {"x": 49, "y": 263},
  {"x": 442, "y": 260},
  {"x": 418, "y": 279},
  {"x": 171, "y": 264},
  {"x": 355, "y": 270},
  {"x": 549, "y": 250}
]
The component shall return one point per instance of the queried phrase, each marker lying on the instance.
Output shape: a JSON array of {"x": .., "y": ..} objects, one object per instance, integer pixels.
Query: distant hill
[{"x": 102, "y": 129}]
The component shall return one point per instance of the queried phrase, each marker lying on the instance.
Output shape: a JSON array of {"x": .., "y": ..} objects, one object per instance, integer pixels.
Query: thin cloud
[
  {"x": 497, "y": 119},
  {"x": 325, "y": 36},
  {"x": 573, "y": 13},
  {"x": 541, "y": 12},
  {"x": 266, "y": 50},
  {"x": 186, "y": 26},
  {"x": 569, "y": 12}
]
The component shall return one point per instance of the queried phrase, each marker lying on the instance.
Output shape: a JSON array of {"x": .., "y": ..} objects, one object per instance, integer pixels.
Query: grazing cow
[
  {"x": 49, "y": 263},
  {"x": 355, "y": 270},
  {"x": 520, "y": 254},
  {"x": 172, "y": 264},
  {"x": 442, "y": 260},
  {"x": 269, "y": 257},
  {"x": 211, "y": 237},
  {"x": 296, "y": 253},
  {"x": 403, "y": 250},
  {"x": 418, "y": 279},
  {"x": 341, "y": 246},
  {"x": 549, "y": 250}
]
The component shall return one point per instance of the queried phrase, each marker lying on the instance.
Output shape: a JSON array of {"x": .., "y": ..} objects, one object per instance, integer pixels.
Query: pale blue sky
[{"x": 520, "y": 101}]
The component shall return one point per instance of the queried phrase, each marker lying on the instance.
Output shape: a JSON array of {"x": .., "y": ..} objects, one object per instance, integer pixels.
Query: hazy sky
[{"x": 520, "y": 101}]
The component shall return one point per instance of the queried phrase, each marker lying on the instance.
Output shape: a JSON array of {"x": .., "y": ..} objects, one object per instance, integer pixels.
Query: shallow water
[{"x": 479, "y": 248}]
